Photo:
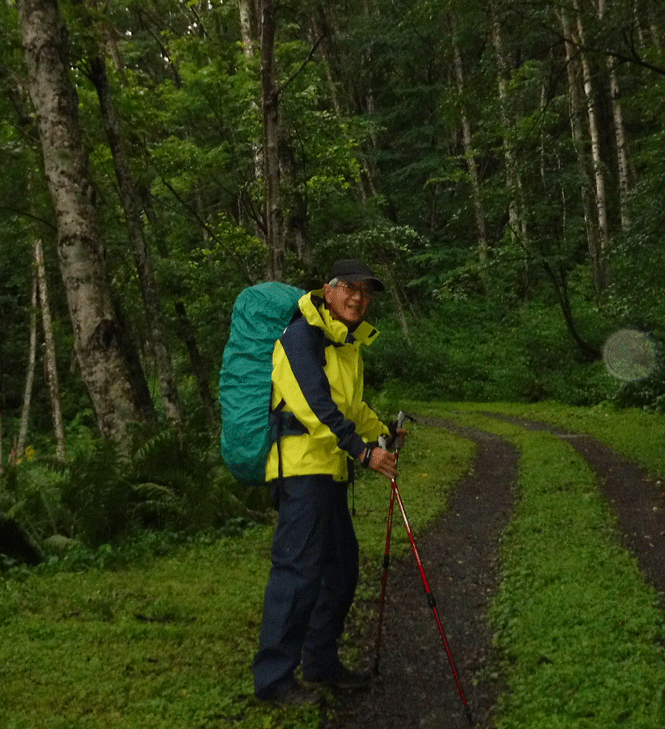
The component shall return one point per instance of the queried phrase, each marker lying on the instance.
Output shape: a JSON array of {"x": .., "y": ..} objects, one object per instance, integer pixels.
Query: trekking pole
[
  {"x": 399, "y": 423},
  {"x": 395, "y": 495},
  {"x": 384, "y": 580}
]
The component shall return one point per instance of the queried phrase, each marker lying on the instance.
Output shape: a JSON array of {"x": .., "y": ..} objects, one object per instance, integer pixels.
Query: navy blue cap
[{"x": 350, "y": 269}]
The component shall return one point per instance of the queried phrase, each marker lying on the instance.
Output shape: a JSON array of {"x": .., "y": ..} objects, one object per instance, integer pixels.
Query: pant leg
[
  {"x": 300, "y": 550},
  {"x": 338, "y": 586}
]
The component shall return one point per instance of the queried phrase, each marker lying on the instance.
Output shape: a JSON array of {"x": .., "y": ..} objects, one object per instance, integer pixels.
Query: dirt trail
[{"x": 416, "y": 687}]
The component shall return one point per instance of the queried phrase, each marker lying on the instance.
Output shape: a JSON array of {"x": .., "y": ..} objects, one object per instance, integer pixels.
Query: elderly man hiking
[{"x": 318, "y": 381}]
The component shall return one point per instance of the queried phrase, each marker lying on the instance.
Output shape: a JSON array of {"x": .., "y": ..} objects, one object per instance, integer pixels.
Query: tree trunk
[
  {"x": 619, "y": 134},
  {"x": 49, "y": 353},
  {"x": 199, "y": 369},
  {"x": 22, "y": 438},
  {"x": 98, "y": 337},
  {"x": 270, "y": 107},
  {"x": 144, "y": 268},
  {"x": 248, "y": 27},
  {"x": 599, "y": 256},
  {"x": 472, "y": 166},
  {"x": 516, "y": 207},
  {"x": 575, "y": 105},
  {"x": 249, "y": 32},
  {"x": 586, "y": 351}
]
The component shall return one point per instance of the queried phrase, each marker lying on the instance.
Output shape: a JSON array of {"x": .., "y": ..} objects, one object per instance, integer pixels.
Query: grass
[
  {"x": 580, "y": 630},
  {"x": 168, "y": 642},
  {"x": 638, "y": 434}
]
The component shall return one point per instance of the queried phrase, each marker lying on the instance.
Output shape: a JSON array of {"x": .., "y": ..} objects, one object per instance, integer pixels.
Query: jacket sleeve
[{"x": 299, "y": 377}]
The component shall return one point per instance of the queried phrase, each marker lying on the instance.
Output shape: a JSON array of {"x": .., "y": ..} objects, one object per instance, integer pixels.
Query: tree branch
[{"x": 304, "y": 64}]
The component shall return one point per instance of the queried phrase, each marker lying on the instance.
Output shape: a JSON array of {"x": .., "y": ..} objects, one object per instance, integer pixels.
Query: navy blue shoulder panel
[{"x": 304, "y": 346}]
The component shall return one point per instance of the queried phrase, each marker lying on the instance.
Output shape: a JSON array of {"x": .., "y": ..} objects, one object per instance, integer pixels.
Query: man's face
[{"x": 349, "y": 301}]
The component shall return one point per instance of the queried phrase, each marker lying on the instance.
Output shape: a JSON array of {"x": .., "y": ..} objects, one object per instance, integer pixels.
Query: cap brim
[{"x": 376, "y": 282}]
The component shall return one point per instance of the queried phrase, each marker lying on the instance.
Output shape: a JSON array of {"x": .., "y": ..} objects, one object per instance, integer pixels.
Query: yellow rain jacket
[{"x": 318, "y": 374}]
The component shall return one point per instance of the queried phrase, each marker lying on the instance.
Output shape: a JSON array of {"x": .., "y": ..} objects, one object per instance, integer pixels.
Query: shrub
[{"x": 165, "y": 480}]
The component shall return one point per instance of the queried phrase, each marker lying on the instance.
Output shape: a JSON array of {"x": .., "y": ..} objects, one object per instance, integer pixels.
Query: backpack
[{"x": 260, "y": 315}]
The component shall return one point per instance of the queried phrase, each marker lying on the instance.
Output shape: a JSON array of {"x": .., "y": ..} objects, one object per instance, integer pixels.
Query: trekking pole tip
[{"x": 469, "y": 715}]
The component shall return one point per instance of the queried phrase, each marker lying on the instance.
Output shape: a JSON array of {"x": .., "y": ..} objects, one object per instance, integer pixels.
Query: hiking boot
[
  {"x": 296, "y": 695},
  {"x": 344, "y": 678}
]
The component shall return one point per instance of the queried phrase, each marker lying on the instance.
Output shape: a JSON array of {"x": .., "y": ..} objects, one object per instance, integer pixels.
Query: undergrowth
[
  {"x": 165, "y": 481},
  {"x": 160, "y": 632},
  {"x": 580, "y": 630}
]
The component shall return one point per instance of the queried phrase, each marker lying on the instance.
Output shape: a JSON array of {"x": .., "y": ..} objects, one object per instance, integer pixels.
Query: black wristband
[{"x": 368, "y": 456}]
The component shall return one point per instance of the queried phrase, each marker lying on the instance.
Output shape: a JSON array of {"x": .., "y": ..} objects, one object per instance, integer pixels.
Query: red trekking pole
[{"x": 396, "y": 496}]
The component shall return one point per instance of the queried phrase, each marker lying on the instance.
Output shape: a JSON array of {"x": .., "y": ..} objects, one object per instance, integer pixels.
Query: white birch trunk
[
  {"x": 577, "y": 133},
  {"x": 49, "y": 354},
  {"x": 601, "y": 272},
  {"x": 98, "y": 337},
  {"x": 22, "y": 438},
  {"x": 249, "y": 33}
]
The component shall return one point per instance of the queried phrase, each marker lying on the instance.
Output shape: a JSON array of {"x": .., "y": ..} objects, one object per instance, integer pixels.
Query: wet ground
[{"x": 416, "y": 686}]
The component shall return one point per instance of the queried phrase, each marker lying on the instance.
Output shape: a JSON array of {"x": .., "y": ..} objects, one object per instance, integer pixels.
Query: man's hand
[
  {"x": 381, "y": 459},
  {"x": 383, "y": 462}
]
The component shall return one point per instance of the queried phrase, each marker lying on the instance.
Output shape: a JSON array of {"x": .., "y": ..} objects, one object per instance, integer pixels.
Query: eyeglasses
[{"x": 351, "y": 289}]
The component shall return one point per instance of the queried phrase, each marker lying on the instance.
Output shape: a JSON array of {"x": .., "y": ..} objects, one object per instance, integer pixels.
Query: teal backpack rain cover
[{"x": 260, "y": 315}]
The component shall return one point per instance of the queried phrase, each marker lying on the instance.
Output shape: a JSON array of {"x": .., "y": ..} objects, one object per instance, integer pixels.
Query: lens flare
[{"x": 629, "y": 355}]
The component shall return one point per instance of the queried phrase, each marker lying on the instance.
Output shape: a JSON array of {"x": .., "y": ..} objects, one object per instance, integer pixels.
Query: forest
[{"x": 499, "y": 163}]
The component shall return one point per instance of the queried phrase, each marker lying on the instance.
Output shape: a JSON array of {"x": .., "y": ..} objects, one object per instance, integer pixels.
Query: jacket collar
[{"x": 313, "y": 308}]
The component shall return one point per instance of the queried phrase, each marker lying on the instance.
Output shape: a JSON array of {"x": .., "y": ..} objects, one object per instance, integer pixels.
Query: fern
[{"x": 165, "y": 480}]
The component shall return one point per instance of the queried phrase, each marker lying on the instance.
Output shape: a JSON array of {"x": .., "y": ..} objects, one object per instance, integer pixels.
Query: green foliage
[
  {"x": 126, "y": 640},
  {"x": 31, "y": 493},
  {"x": 466, "y": 349},
  {"x": 558, "y": 552},
  {"x": 374, "y": 164},
  {"x": 161, "y": 630},
  {"x": 579, "y": 628},
  {"x": 104, "y": 493}
]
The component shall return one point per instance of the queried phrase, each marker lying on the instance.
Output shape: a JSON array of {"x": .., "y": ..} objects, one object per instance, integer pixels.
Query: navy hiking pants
[{"x": 312, "y": 583}]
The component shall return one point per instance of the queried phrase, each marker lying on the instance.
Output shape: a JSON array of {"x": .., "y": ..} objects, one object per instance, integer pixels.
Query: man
[{"x": 317, "y": 388}]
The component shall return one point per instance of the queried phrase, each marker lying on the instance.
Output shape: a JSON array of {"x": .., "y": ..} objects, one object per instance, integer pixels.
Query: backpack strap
[{"x": 282, "y": 424}]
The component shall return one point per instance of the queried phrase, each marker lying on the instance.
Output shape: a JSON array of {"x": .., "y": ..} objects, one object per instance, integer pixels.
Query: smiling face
[{"x": 349, "y": 301}]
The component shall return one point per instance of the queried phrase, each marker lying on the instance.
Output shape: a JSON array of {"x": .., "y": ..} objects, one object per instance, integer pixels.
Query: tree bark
[
  {"x": 270, "y": 108},
  {"x": 133, "y": 217},
  {"x": 21, "y": 440},
  {"x": 587, "y": 352},
  {"x": 98, "y": 337},
  {"x": 619, "y": 134},
  {"x": 598, "y": 256},
  {"x": 472, "y": 165},
  {"x": 49, "y": 354},
  {"x": 516, "y": 207},
  {"x": 249, "y": 32},
  {"x": 577, "y": 132}
]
